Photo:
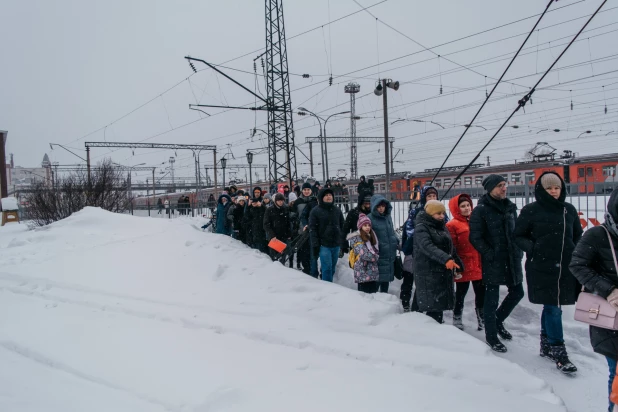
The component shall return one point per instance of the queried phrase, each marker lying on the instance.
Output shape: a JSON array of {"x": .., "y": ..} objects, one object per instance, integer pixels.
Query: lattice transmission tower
[
  {"x": 353, "y": 88},
  {"x": 282, "y": 160}
]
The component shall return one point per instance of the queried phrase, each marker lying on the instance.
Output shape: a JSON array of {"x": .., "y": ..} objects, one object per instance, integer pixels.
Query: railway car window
[
  {"x": 383, "y": 187},
  {"x": 580, "y": 172},
  {"x": 516, "y": 177},
  {"x": 529, "y": 176},
  {"x": 437, "y": 182},
  {"x": 589, "y": 171},
  {"x": 467, "y": 181},
  {"x": 609, "y": 171},
  {"x": 458, "y": 182},
  {"x": 478, "y": 180},
  {"x": 447, "y": 182},
  {"x": 505, "y": 176}
]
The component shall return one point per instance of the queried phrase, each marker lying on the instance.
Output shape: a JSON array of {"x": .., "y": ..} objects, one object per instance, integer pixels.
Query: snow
[
  {"x": 9, "y": 203},
  {"x": 104, "y": 311}
]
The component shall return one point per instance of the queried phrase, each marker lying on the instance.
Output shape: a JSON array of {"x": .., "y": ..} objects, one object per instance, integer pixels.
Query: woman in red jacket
[{"x": 461, "y": 208}]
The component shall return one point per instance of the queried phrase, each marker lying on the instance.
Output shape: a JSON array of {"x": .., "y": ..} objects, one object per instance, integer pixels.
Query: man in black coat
[
  {"x": 364, "y": 207},
  {"x": 325, "y": 229},
  {"x": 277, "y": 222},
  {"x": 363, "y": 186},
  {"x": 301, "y": 209},
  {"x": 492, "y": 224},
  {"x": 548, "y": 230},
  {"x": 593, "y": 266}
]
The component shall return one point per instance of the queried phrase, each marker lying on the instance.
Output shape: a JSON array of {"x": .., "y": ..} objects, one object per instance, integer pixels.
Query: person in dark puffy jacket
[
  {"x": 236, "y": 214},
  {"x": 492, "y": 224},
  {"x": 384, "y": 229},
  {"x": 435, "y": 262},
  {"x": 277, "y": 222},
  {"x": 301, "y": 209},
  {"x": 254, "y": 220},
  {"x": 459, "y": 228},
  {"x": 325, "y": 229},
  {"x": 363, "y": 187},
  {"x": 594, "y": 267},
  {"x": 548, "y": 230},
  {"x": 407, "y": 242}
]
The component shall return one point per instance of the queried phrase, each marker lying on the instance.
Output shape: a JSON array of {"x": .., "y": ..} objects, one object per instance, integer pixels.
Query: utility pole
[
  {"x": 4, "y": 189},
  {"x": 386, "y": 143},
  {"x": 214, "y": 167},
  {"x": 392, "y": 159},
  {"x": 172, "y": 161},
  {"x": 353, "y": 88},
  {"x": 88, "y": 163},
  {"x": 311, "y": 158}
]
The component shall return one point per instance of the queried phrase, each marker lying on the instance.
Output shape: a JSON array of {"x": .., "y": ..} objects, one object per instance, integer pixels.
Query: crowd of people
[{"x": 482, "y": 246}]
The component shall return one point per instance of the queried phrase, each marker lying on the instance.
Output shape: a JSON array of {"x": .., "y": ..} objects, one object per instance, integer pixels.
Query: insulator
[
  {"x": 571, "y": 105},
  {"x": 440, "y": 89},
  {"x": 330, "y": 81},
  {"x": 254, "y": 66},
  {"x": 605, "y": 109},
  {"x": 305, "y": 76},
  {"x": 531, "y": 100},
  {"x": 193, "y": 67},
  {"x": 262, "y": 61},
  {"x": 486, "y": 94}
]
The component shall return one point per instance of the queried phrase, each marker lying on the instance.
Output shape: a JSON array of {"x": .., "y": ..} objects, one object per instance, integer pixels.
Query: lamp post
[
  {"x": 381, "y": 90},
  {"x": 303, "y": 111},
  {"x": 172, "y": 161},
  {"x": 250, "y": 161},
  {"x": 223, "y": 162}
]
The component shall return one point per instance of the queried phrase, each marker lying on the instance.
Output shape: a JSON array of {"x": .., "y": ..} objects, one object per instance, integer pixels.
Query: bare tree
[{"x": 107, "y": 188}]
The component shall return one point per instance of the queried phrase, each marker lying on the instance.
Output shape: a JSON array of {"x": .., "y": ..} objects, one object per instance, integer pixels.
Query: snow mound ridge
[{"x": 127, "y": 313}]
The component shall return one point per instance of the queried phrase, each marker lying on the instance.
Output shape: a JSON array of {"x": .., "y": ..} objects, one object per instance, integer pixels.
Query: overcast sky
[{"x": 76, "y": 71}]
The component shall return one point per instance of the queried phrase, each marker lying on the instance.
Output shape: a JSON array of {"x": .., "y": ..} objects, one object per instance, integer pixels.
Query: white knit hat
[{"x": 292, "y": 197}]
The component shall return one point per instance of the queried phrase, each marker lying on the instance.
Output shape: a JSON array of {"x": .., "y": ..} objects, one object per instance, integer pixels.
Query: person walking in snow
[
  {"x": 351, "y": 220},
  {"x": 548, "y": 230},
  {"x": 363, "y": 187},
  {"x": 382, "y": 224},
  {"x": 593, "y": 265},
  {"x": 223, "y": 206},
  {"x": 254, "y": 221},
  {"x": 277, "y": 222},
  {"x": 365, "y": 245},
  {"x": 160, "y": 206},
  {"x": 436, "y": 262},
  {"x": 492, "y": 224},
  {"x": 459, "y": 228},
  {"x": 407, "y": 242},
  {"x": 325, "y": 229}
]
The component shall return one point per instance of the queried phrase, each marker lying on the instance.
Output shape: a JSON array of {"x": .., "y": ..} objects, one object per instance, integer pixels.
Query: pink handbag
[{"x": 595, "y": 310}]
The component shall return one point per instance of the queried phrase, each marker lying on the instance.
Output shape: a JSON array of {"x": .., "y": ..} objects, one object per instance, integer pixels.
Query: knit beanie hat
[
  {"x": 464, "y": 198},
  {"x": 279, "y": 196},
  {"x": 268, "y": 196},
  {"x": 431, "y": 190},
  {"x": 362, "y": 221},
  {"x": 241, "y": 199},
  {"x": 491, "y": 181},
  {"x": 434, "y": 206},
  {"x": 306, "y": 185},
  {"x": 550, "y": 180},
  {"x": 292, "y": 197}
]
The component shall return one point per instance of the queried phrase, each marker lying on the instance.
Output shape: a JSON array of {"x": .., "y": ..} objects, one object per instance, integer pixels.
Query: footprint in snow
[{"x": 220, "y": 272}]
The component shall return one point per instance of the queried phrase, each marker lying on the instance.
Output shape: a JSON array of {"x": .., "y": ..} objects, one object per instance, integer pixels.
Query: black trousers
[
  {"x": 368, "y": 287},
  {"x": 383, "y": 286},
  {"x": 304, "y": 256},
  {"x": 437, "y": 316},
  {"x": 406, "y": 291},
  {"x": 495, "y": 315},
  {"x": 461, "y": 290}
]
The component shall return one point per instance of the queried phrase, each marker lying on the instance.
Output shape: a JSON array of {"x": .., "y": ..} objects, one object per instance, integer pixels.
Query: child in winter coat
[
  {"x": 365, "y": 244},
  {"x": 459, "y": 228}
]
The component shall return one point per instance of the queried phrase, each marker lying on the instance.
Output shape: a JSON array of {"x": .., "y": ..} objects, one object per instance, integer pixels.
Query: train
[{"x": 583, "y": 174}]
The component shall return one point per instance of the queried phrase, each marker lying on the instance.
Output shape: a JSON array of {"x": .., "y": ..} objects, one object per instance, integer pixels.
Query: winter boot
[
  {"x": 504, "y": 334},
  {"x": 458, "y": 322},
  {"x": 406, "y": 306},
  {"x": 563, "y": 363},
  {"x": 496, "y": 345},
  {"x": 545, "y": 348},
  {"x": 480, "y": 318}
]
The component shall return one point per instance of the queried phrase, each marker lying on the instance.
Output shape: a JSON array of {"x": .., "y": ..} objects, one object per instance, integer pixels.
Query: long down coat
[
  {"x": 593, "y": 265},
  {"x": 548, "y": 230},
  {"x": 492, "y": 226},
  {"x": 459, "y": 228},
  {"x": 385, "y": 232},
  {"x": 433, "y": 247}
]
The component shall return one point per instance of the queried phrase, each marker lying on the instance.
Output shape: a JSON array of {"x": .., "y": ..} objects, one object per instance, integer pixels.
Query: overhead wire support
[
  {"x": 522, "y": 102},
  {"x": 488, "y": 96}
]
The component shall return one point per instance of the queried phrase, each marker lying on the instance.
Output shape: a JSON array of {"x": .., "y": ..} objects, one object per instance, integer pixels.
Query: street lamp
[
  {"x": 381, "y": 90},
  {"x": 172, "y": 161},
  {"x": 325, "y": 172},
  {"x": 250, "y": 160},
  {"x": 223, "y": 163}
]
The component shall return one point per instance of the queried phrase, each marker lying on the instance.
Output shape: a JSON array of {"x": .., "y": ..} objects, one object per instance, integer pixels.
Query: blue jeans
[
  {"x": 328, "y": 260},
  {"x": 551, "y": 324},
  {"x": 612, "y": 373}
]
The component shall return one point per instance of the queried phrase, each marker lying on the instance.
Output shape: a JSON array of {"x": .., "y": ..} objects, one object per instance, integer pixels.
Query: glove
[
  {"x": 316, "y": 252},
  {"x": 612, "y": 299},
  {"x": 450, "y": 265},
  {"x": 340, "y": 254}
]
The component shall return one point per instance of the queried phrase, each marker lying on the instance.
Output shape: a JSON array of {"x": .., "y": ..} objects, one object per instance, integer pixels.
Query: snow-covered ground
[{"x": 108, "y": 312}]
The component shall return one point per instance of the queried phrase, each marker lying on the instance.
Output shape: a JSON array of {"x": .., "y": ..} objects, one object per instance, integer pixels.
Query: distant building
[{"x": 23, "y": 177}]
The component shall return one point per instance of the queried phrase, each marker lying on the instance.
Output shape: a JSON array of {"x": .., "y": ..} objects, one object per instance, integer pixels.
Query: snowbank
[{"x": 105, "y": 312}]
